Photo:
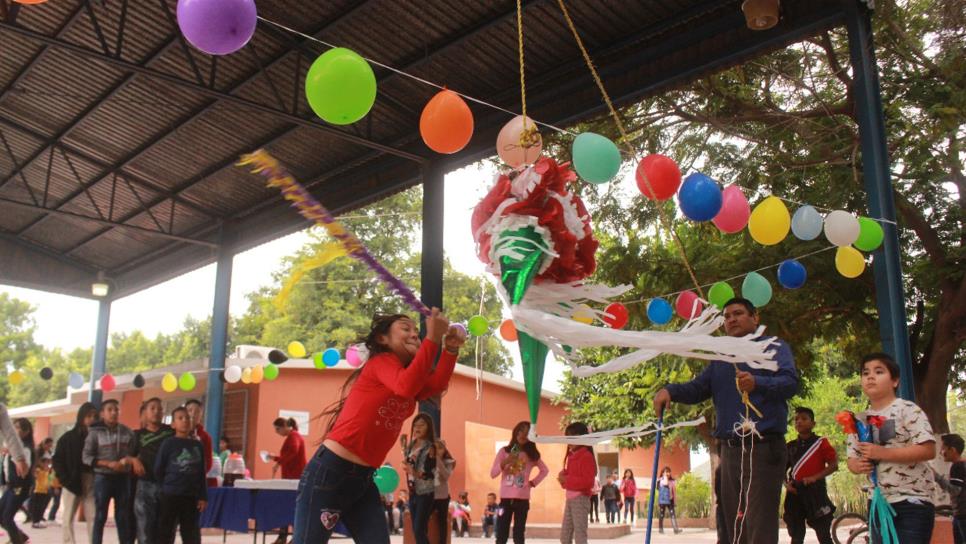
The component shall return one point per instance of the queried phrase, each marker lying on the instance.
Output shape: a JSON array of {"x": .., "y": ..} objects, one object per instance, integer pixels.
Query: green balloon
[
  {"x": 720, "y": 293},
  {"x": 870, "y": 235},
  {"x": 271, "y": 372},
  {"x": 340, "y": 86},
  {"x": 187, "y": 381},
  {"x": 386, "y": 479},
  {"x": 756, "y": 289},
  {"x": 478, "y": 325},
  {"x": 596, "y": 158},
  {"x": 317, "y": 361}
]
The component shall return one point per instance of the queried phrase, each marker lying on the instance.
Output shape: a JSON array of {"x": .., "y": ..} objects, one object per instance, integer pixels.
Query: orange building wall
[{"x": 640, "y": 461}]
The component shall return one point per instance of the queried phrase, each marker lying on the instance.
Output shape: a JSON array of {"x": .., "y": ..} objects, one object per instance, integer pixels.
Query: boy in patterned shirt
[{"x": 902, "y": 444}]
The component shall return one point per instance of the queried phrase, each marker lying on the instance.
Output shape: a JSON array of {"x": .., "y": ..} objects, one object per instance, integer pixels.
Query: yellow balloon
[
  {"x": 849, "y": 262},
  {"x": 257, "y": 374},
  {"x": 246, "y": 375},
  {"x": 169, "y": 383},
  {"x": 583, "y": 314},
  {"x": 16, "y": 377},
  {"x": 296, "y": 350},
  {"x": 769, "y": 222}
]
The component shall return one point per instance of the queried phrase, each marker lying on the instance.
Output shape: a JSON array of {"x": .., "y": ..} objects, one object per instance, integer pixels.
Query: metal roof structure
[{"x": 118, "y": 139}]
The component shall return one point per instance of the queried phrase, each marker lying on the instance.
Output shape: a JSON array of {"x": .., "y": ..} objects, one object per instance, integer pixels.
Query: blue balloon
[
  {"x": 330, "y": 357},
  {"x": 791, "y": 274},
  {"x": 659, "y": 311},
  {"x": 699, "y": 197},
  {"x": 807, "y": 223}
]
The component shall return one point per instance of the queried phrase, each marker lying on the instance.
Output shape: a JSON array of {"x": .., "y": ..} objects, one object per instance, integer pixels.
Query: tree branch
[{"x": 926, "y": 233}]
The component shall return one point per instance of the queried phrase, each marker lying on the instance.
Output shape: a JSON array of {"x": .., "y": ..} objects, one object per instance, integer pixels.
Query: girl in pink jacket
[
  {"x": 513, "y": 464},
  {"x": 629, "y": 491}
]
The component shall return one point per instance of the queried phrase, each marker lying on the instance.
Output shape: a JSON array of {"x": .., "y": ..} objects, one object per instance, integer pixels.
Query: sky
[{"x": 69, "y": 322}]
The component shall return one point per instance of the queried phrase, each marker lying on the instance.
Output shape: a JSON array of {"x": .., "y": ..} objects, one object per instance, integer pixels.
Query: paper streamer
[
  {"x": 329, "y": 253},
  {"x": 314, "y": 211},
  {"x": 592, "y": 439}
]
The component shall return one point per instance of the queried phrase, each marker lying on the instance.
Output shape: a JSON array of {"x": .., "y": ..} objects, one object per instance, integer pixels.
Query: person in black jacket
[
  {"x": 76, "y": 478},
  {"x": 18, "y": 485}
]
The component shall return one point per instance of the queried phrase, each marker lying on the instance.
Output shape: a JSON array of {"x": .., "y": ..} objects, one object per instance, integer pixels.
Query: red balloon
[
  {"x": 615, "y": 315},
  {"x": 685, "y": 306},
  {"x": 107, "y": 383},
  {"x": 446, "y": 124},
  {"x": 662, "y": 173}
]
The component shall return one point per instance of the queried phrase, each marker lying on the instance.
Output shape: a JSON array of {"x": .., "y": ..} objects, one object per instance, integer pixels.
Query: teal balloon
[
  {"x": 720, "y": 293},
  {"x": 340, "y": 86},
  {"x": 659, "y": 311},
  {"x": 330, "y": 357},
  {"x": 596, "y": 158},
  {"x": 756, "y": 289},
  {"x": 478, "y": 325},
  {"x": 807, "y": 223},
  {"x": 386, "y": 479}
]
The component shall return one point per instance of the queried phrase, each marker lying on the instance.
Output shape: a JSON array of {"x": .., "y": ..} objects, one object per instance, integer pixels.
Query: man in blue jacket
[{"x": 750, "y": 494}]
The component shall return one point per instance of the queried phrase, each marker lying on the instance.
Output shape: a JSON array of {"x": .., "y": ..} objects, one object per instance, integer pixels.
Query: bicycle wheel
[
  {"x": 845, "y": 526},
  {"x": 860, "y": 536}
]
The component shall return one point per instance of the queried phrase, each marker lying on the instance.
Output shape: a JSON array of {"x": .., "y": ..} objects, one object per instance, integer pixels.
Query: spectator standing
[
  {"x": 107, "y": 449},
  {"x": 291, "y": 458},
  {"x": 180, "y": 469},
  {"x": 197, "y": 412},
  {"x": 629, "y": 491},
  {"x": 19, "y": 440},
  {"x": 953, "y": 483},
  {"x": 147, "y": 442},
  {"x": 514, "y": 463},
  {"x": 40, "y": 497},
  {"x": 75, "y": 476},
  {"x": 610, "y": 494},
  {"x": 667, "y": 488}
]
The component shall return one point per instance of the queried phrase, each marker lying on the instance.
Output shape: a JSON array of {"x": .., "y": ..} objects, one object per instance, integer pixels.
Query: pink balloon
[
  {"x": 107, "y": 383},
  {"x": 508, "y": 143},
  {"x": 685, "y": 303},
  {"x": 352, "y": 356},
  {"x": 735, "y": 210}
]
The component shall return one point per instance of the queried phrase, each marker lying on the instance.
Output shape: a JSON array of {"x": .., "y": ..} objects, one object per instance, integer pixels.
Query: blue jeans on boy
[
  {"x": 107, "y": 487},
  {"x": 332, "y": 490},
  {"x": 914, "y": 522},
  {"x": 13, "y": 498}
]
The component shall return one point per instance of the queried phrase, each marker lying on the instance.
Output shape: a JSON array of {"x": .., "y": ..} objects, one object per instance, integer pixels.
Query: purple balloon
[
  {"x": 459, "y": 326},
  {"x": 217, "y": 27}
]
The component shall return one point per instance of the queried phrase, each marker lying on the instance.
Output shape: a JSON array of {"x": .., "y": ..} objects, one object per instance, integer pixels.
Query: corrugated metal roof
[{"x": 146, "y": 135}]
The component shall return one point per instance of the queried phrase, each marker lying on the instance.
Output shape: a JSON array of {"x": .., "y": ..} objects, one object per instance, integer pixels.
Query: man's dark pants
[{"x": 758, "y": 483}]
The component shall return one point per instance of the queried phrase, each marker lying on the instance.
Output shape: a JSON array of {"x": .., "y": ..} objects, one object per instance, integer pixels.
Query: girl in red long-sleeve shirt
[
  {"x": 337, "y": 484},
  {"x": 291, "y": 458},
  {"x": 577, "y": 477}
]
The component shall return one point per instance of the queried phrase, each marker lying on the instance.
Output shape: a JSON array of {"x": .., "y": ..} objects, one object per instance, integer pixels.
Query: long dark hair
[
  {"x": 379, "y": 326},
  {"x": 527, "y": 447},
  {"x": 28, "y": 441},
  {"x": 430, "y": 428},
  {"x": 282, "y": 422},
  {"x": 578, "y": 428}
]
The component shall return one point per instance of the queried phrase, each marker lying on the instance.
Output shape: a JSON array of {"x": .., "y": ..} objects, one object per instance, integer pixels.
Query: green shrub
[{"x": 693, "y": 497}]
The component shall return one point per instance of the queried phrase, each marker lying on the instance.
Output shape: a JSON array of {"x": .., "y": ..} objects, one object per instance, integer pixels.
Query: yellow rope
[
  {"x": 626, "y": 140},
  {"x": 529, "y": 135}
]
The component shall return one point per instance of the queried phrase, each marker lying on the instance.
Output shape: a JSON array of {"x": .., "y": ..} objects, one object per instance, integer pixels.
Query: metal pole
[
  {"x": 657, "y": 458},
  {"x": 431, "y": 266},
  {"x": 99, "y": 360},
  {"x": 887, "y": 268},
  {"x": 215, "y": 390}
]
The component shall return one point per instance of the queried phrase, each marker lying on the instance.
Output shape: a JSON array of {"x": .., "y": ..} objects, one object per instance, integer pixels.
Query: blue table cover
[{"x": 230, "y": 508}]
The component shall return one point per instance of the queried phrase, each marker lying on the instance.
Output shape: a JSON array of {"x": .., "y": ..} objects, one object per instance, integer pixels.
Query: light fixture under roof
[{"x": 760, "y": 14}]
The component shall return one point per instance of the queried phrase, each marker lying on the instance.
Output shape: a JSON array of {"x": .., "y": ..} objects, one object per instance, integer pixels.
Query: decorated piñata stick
[{"x": 314, "y": 211}]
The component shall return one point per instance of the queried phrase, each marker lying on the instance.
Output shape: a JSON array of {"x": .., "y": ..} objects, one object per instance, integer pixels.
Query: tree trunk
[{"x": 932, "y": 376}]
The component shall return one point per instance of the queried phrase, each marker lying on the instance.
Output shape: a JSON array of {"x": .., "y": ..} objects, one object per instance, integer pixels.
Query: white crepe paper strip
[{"x": 592, "y": 439}]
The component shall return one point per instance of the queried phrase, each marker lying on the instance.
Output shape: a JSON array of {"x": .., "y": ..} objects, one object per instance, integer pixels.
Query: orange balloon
[
  {"x": 508, "y": 331},
  {"x": 446, "y": 124},
  {"x": 518, "y": 142}
]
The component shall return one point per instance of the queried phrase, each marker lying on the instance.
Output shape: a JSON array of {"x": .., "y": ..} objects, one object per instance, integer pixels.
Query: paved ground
[{"x": 52, "y": 535}]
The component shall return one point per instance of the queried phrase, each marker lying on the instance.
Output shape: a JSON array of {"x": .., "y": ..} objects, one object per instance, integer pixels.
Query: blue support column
[
  {"x": 431, "y": 266},
  {"x": 215, "y": 391},
  {"x": 99, "y": 360},
  {"x": 878, "y": 186}
]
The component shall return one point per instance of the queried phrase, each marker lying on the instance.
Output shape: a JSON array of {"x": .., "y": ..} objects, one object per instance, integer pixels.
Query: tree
[
  {"x": 16, "y": 336},
  {"x": 784, "y": 124}
]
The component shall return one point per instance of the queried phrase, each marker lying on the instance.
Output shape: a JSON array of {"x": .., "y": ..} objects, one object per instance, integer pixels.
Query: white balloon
[
  {"x": 233, "y": 374},
  {"x": 841, "y": 228},
  {"x": 806, "y": 223},
  {"x": 75, "y": 380}
]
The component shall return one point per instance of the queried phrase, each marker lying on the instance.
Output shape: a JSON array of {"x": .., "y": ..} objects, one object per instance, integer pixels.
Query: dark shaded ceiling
[{"x": 117, "y": 139}]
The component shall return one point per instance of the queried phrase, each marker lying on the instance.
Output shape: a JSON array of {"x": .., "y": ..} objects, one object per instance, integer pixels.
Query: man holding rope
[{"x": 752, "y": 416}]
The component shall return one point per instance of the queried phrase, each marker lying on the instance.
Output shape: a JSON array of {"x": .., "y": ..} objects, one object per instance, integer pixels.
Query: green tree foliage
[
  {"x": 16, "y": 336},
  {"x": 785, "y": 124},
  {"x": 693, "y": 497}
]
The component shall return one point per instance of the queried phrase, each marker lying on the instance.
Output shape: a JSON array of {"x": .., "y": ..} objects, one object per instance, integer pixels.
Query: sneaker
[{"x": 39, "y": 525}]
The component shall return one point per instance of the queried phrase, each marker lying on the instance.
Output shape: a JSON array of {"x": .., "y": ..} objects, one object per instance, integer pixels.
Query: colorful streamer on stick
[{"x": 314, "y": 211}]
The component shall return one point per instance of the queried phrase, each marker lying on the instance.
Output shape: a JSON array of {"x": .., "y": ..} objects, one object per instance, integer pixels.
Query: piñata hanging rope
[{"x": 314, "y": 211}]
